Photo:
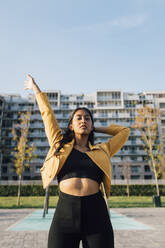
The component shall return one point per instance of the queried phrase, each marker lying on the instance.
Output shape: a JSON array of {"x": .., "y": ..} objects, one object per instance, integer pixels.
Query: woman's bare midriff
[{"x": 79, "y": 186}]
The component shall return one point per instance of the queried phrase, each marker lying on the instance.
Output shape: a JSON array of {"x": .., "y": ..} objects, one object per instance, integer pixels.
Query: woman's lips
[{"x": 84, "y": 127}]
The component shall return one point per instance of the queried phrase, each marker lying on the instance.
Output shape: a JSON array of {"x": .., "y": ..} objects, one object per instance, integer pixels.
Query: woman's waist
[{"x": 79, "y": 186}]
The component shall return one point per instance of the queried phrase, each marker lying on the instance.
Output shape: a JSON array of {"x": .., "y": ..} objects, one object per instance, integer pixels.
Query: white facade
[{"x": 109, "y": 106}]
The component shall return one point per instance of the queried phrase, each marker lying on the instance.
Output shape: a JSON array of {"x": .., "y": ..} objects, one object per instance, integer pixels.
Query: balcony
[
  {"x": 116, "y": 160},
  {"x": 36, "y": 134},
  {"x": 35, "y": 117},
  {"x": 63, "y": 125},
  {"x": 41, "y": 153},
  {"x": 104, "y": 116},
  {"x": 62, "y": 116},
  {"x": 131, "y": 98},
  {"x": 38, "y": 160},
  {"x": 37, "y": 125}
]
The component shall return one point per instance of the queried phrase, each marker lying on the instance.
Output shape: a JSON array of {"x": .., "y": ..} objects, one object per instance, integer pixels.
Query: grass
[
  {"x": 133, "y": 201},
  {"x": 113, "y": 201}
]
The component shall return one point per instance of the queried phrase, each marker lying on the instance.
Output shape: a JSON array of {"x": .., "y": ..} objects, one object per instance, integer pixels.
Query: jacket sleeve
[
  {"x": 52, "y": 130},
  {"x": 120, "y": 135}
]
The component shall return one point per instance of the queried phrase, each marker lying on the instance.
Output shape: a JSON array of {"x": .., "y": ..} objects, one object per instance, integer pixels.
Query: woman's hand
[{"x": 30, "y": 84}]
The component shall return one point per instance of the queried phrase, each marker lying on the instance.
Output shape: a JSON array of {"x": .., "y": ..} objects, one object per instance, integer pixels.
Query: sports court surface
[
  {"x": 34, "y": 221},
  {"x": 133, "y": 228}
]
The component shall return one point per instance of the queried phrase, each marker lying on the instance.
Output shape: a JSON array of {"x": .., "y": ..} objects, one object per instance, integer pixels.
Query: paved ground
[{"x": 153, "y": 238}]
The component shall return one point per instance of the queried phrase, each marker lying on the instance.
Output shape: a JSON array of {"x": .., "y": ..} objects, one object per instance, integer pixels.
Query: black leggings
[{"x": 81, "y": 218}]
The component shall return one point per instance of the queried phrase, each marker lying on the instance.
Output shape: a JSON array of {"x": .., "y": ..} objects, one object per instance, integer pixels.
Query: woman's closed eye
[{"x": 87, "y": 118}]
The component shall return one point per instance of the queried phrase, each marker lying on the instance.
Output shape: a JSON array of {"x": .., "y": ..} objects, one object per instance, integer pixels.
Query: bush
[
  {"x": 116, "y": 190},
  {"x": 27, "y": 190},
  {"x": 137, "y": 190}
]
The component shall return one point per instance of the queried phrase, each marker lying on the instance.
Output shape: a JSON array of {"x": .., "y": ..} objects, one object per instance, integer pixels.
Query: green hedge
[
  {"x": 26, "y": 190},
  {"x": 116, "y": 190},
  {"x": 137, "y": 190}
]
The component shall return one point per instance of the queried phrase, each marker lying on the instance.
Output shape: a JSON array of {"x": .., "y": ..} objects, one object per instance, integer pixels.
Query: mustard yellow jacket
[{"x": 100, "y": 153}]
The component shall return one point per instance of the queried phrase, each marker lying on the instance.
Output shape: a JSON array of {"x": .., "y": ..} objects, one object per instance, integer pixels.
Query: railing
[
  {"x": 114, "y": 181},
  {"x": 137, "y": 181},
  {"x": 37, "y": 125},
  {"x": 37, "y": 134},
  {"x": 39, "y": 143},
  {"x": 134, "y": 97}
]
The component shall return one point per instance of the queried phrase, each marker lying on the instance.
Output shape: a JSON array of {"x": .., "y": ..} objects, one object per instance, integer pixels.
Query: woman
[{"x": 81, "y": 168}]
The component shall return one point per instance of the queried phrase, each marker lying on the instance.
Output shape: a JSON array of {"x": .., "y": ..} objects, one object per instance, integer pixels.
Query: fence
[{"x": 114, "y": 182}]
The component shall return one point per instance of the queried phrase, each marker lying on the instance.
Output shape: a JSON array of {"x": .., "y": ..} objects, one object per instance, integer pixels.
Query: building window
[
  {"x": 6, "y": 160},
  {"x": 27, "y": 168},
  {"x": 135, "y": 169},
  {"x": 134, "y": 158},
  {"x": 4, "y": 178},
  {"x": 147, "y": 168},
  {"x": 148, "y": 177},
  {"x": 38, "y": 169},
  {"x": 26, "y": 178},
  {"x": 4, "y": 169},
  {"x": 162, "y": 105},
  {"x": 15, "y": 178},
  {"x": 134, "y": 177},
  {"x": 163, "y": 122}
]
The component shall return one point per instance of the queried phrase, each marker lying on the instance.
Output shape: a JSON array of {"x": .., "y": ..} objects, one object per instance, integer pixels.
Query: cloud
[
  {"x": 123, "y": 22},
  {"x": 129, "y": 21}
]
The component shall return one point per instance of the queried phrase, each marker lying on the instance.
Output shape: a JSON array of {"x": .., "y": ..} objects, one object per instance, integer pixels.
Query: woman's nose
[{"x": 83, "y": 120}]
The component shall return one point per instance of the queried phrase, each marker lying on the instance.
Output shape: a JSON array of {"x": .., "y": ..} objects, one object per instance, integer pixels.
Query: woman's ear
[{"x": 71, "y": 127}]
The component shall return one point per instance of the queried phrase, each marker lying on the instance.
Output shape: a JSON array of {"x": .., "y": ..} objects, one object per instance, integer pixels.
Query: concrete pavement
[{"x": 154, "y": 237}]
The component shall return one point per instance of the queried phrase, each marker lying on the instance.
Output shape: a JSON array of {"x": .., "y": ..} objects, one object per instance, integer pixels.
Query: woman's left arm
[{"x": 120, "y": 135}]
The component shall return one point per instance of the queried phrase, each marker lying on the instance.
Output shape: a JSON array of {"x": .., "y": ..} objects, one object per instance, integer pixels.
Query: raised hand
[{"x": 30, "y": 84}]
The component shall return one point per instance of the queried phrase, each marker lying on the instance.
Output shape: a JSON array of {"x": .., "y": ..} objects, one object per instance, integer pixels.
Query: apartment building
[{"x": 107, "y": 106}]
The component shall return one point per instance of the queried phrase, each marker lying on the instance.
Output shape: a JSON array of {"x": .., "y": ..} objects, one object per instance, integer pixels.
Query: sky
[{"x": 80, "y": 46}]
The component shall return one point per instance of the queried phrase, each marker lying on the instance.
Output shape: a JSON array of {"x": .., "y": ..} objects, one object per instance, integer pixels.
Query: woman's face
[{"x": 81, "y": 123}]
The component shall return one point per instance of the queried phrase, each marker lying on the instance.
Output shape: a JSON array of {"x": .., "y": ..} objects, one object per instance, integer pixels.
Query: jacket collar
[{"x": 91, "y": 147}]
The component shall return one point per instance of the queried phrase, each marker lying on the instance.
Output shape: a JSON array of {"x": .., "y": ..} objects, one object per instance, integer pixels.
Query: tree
[
  {"x": 23, "y": 152},
  {"x": 126, "y": 170},
  {"x": 147, "y": 121}
]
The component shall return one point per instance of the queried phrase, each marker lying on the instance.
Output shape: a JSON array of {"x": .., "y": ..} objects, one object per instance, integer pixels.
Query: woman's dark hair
[{"x": 69, "y": 134}]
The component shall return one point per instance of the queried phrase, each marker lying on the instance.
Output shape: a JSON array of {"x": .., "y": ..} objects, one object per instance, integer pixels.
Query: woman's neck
[{"x": 81, "y": 142}]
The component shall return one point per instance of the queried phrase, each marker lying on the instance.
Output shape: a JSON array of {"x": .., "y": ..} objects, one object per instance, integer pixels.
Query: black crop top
[{"x": 79, "y": 164}]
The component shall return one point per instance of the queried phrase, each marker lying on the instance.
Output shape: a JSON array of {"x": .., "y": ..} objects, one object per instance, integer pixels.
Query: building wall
[{"x": 107, "y": 107}]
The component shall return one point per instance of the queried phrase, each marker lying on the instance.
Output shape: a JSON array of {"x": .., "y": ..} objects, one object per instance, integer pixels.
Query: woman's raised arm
[
  {"x": 120, "y": 135},
  {"x": 52, "y": 129}
]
